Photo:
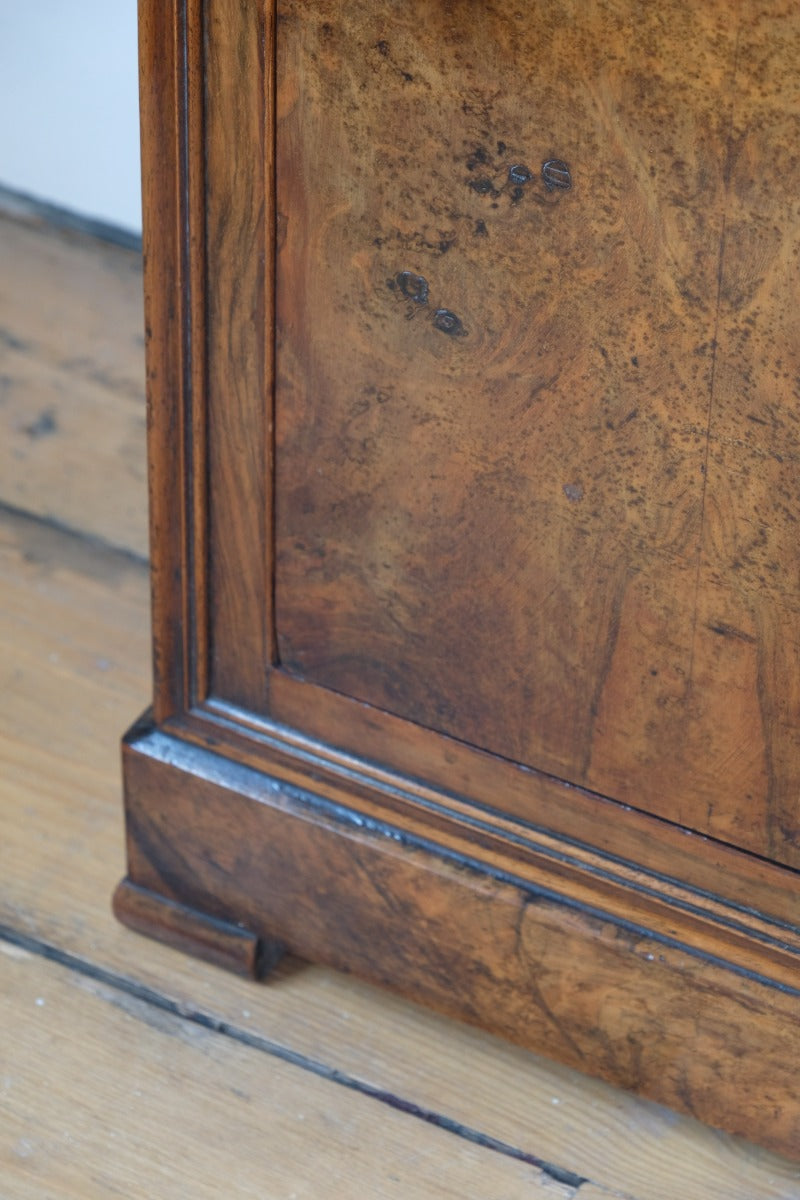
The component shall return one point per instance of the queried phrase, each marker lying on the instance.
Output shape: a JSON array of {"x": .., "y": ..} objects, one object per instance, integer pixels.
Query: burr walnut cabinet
[{"x": 474, "y": 396}]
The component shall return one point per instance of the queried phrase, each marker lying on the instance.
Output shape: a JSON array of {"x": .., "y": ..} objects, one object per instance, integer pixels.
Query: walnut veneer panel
[{"x": 536, "y": 429}]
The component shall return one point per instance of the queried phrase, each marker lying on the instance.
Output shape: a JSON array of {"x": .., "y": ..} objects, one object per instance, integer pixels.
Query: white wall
[{"x": 69, "y": 105}]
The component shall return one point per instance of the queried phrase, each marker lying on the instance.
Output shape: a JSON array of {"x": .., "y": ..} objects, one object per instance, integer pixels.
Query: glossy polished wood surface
[
  {"x": 560, "y": 522},
  {"x": 461, "y": 682}
]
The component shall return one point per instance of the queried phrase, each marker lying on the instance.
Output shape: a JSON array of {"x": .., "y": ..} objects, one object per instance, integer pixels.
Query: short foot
[{"x": 187, "y": 929}]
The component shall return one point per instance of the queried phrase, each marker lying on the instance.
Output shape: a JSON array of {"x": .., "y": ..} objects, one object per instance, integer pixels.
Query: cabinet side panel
[
  {"x": 240, "y": 235},
  {"x": 164, "y": 29}
]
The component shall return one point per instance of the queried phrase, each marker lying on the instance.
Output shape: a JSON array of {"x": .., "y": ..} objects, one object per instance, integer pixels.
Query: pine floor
[{"x": 125, "y": 1068}]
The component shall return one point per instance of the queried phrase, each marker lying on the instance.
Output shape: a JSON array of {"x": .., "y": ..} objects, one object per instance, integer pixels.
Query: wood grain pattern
[
  {"x": 237, "y": 209},
  {"x": 72, "y": 374},
  {"x": 163, "y": 102},
  {"x": 580, "y": 818},
  {"x": 633, "y": 629},
  {"x": 219, "y": 942},
  {"x": 495, "y": 516},
  {"x": 73, "y": 631},
  {"x": 63, "y": 1093},
  {"x": 468, "y": 934}
]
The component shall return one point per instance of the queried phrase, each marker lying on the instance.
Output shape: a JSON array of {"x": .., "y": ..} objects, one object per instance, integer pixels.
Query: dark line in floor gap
[
  {"x": 90, "y": 541},
  {"x": 140, "y": 991}
]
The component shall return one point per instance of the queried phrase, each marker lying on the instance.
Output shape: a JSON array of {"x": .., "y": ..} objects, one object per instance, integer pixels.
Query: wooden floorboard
[
  {"x": 109, "y": 1095},
  {"x": 72, "y": 382},
  {"x": 74, "y": 667}
]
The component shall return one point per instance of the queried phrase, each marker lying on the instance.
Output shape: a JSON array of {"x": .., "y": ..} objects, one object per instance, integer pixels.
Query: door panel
[{"x": 536, "y": 388}]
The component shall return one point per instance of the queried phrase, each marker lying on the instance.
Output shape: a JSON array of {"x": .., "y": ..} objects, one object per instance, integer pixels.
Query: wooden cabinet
[{"x": 474, "y": 378}]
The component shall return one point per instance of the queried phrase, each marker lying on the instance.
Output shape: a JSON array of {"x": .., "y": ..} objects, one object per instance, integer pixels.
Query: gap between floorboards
[{"x": 214, "y": 1024}]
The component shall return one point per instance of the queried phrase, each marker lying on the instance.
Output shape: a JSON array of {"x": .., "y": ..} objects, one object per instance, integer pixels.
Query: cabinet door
[{"x": 537, "y": 388}]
